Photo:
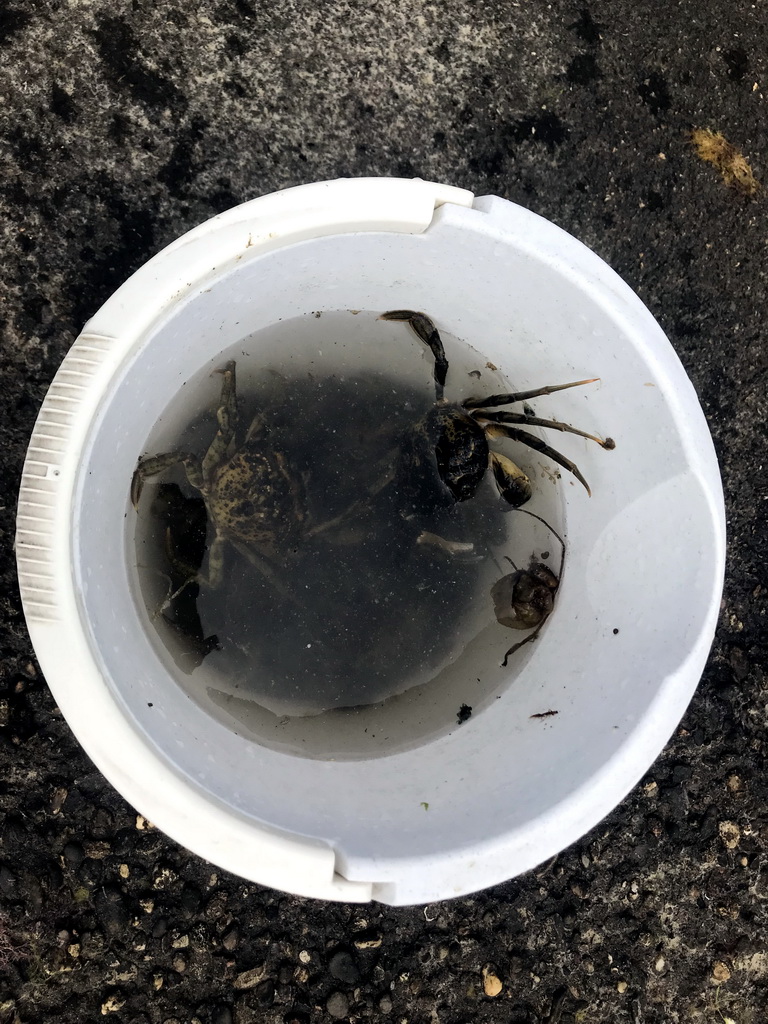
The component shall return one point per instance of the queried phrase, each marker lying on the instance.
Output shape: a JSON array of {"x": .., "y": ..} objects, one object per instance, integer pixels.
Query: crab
[
  {"x": 456, "y": 435},
  {"x": 525, "y": 598},
  {"x": 252, "y": 499}
]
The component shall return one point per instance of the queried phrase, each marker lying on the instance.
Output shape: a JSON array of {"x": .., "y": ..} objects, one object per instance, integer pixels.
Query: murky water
[{"x": 382, "y": 591}]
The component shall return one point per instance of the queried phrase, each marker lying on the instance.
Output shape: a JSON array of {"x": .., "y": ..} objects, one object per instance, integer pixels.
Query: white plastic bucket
[{"x": 619, "y": 658}]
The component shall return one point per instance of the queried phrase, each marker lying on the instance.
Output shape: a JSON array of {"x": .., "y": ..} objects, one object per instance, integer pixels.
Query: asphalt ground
[{"x": 122, "y": 126}]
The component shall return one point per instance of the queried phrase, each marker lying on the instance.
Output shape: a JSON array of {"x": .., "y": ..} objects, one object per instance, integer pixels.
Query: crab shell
[
  {"x": 524, "y": 598},
  {"x": 255, "y": 500}
]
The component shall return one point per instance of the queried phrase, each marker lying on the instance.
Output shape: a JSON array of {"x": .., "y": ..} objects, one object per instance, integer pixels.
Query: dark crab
[
  {"x": 458, "y": 433},
  {"x": 252, "y": 499}
]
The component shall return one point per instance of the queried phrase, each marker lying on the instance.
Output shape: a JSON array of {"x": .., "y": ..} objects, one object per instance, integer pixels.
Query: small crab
[
  {"x": 458, "y": 433},
  {"x": 524, "y": 598},
  {"x": 252, "y": 499}
]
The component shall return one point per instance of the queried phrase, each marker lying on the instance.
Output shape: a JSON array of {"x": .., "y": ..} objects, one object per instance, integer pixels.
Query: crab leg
[
  {"x": 522, "y": 396},
  {"x": 362, "y": 503},
  {"x": 215, "y": 563},
  {"x": 264, "y": 567},
  {"x": 156, "y": 464},
  {"x": 429, "y": 334},
  {"x": 226, "y": 415},
  {"x": 534, "y": 421},
  {"x": 501, "y": 430},
  {"x": 450, "y": 547},
  {"x": 212, "y": 578},
  {"x": 516, "y": 647},
  {"x": 179, "y": 566}
]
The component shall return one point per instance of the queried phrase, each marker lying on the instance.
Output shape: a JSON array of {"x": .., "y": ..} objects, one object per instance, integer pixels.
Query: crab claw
[
  {"x": 429, "y": 334},
  {"x": 514, "y": 486}
]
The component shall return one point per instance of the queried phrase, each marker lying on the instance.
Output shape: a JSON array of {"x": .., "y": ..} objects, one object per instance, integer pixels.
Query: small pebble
[
  {"x": 730, "y": 833},
  {"x": 58, "y": 797},
  {"x": 164, "y": 878},
  {"x": 720, "y": 972},
  {"x": 74, "y": 854},
  {"x": 491, "y": 982},
  {"x": 337, "y": 1005},
  {"x": 622, "y": 987},
  {"x": 385, "y": 1004},
  {"x": 97, "y": 850},
  {"x": 112, "y": 1005},
  {"x": 305, "y": 956},
  {"x": 660, "y": 964},
  {"x": 344, "y": 968},
  {"x": 249, "y": 979}
]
